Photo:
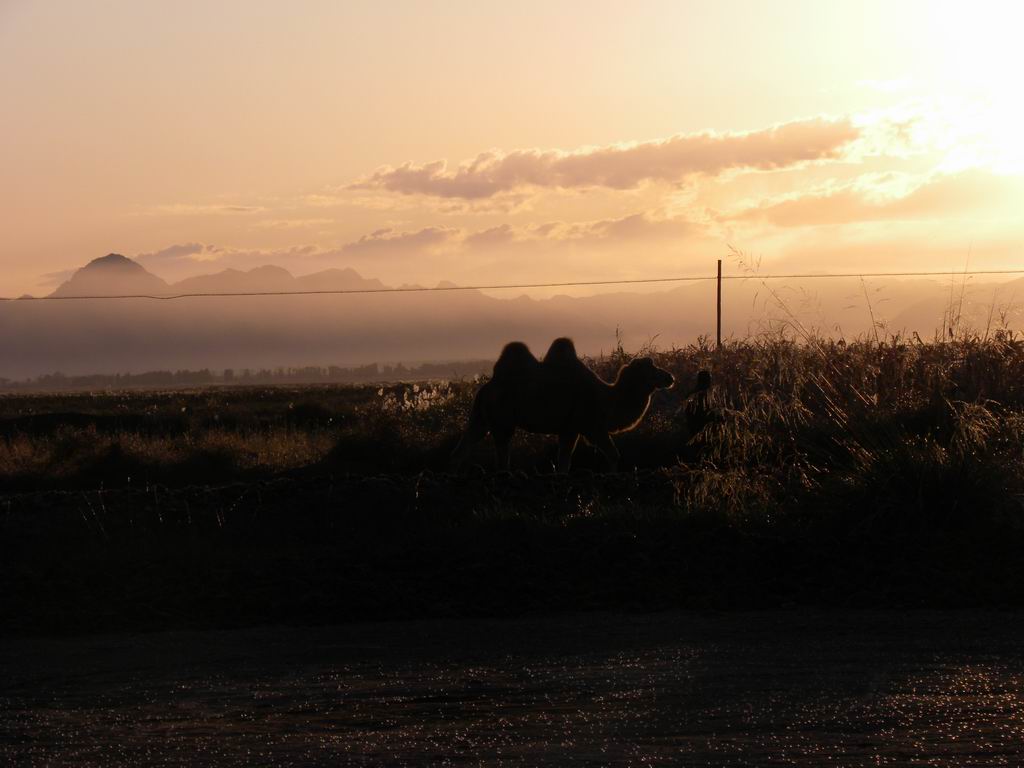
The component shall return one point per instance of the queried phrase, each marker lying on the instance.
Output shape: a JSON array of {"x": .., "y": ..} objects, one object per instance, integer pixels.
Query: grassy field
[{"x": 832, "y": 474}]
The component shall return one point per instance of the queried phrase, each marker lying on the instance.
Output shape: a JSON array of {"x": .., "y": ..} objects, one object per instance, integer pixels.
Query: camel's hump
[
  {"x": 515, "y": 359},
  {"x": 561, "y": 351}
]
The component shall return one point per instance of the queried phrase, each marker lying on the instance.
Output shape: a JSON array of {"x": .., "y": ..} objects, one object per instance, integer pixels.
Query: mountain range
[
  {"x": 115, "y": 274},
  {"x": 137, "y": 334}
]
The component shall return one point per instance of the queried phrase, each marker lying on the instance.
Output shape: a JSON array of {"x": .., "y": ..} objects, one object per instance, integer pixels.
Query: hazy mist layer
[{"x": 135, "y": 335}]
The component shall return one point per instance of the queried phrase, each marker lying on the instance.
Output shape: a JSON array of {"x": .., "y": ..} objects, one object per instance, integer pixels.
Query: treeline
[{"x": 312, "y": 374}]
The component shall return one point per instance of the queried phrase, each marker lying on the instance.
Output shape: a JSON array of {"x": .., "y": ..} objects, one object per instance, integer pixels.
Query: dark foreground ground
[
  {"x": 821, "y": 475},
  {"x": 146, "y": 537},
  {"x": 740, "y": 689},
  {"x": 329, "y": 550}
]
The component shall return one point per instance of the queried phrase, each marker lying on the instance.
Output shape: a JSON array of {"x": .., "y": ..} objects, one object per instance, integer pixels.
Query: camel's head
[{"x": 643, "y": 370}]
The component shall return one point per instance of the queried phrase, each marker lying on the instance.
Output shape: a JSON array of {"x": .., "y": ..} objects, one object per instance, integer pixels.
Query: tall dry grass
[{"x": 869, "y": 473}]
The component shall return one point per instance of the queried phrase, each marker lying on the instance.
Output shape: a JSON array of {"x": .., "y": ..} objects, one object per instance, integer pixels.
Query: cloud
[
  {"x": 190, "y": 255},
  {"x": 392, "y": 242},
  {"x": 406, "y": 247},
  {"x": 182, "y": 251},
  {"x": 637, "y": 226},
  {"x": 620, "y": 166},
  {"x": 499, "y": 235},
  {"x": 263, "y": 256},
  {"x": 186, "y": 209},
  {"x": 937, "y": 197},
  {"x": 320, "y": 200},
  {"x": 55, "y": 278},
  {"x": 292, "y": 223}
]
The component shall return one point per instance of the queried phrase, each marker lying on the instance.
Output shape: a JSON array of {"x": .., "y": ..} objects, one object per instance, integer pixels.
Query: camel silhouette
[{"x": 559, "y": 396}]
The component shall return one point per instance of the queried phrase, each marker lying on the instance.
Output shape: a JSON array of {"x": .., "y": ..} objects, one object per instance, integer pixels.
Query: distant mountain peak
[
  {"x": 111, "y": 274},
  {"x": 230, "y": 280},
  {"x": 269, "y": 269},
  {"x": 112, "y": 260},
  {"x": 346, "y": 279}
]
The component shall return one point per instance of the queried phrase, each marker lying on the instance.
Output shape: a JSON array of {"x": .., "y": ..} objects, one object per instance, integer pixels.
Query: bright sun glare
[{"x": 974, "y": 79}]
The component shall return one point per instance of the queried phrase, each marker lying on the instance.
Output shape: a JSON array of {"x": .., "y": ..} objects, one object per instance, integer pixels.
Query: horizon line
[
  {"x": 505, "y": 286},
  {"x": 514, "y": 286}
]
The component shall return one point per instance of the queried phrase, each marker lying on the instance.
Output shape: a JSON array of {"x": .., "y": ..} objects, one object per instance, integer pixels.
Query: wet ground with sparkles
[{"x": 741, "y": 689}]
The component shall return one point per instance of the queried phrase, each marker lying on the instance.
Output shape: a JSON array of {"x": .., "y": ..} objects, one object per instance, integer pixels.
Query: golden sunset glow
[
  {"x": 481, "y": 143},
  {"x": 536, "y": 382}
]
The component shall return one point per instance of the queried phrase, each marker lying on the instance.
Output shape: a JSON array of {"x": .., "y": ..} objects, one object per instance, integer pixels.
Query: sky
[{"x": 483, "y": 142}]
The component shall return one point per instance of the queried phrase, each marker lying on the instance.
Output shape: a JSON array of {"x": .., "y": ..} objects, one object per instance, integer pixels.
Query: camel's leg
[
  {"x": 501, "y": 452},
  {"x": 502, "y": 434},
  {"x": 604, "y": 443},
  {"x": 476, "y": 431},
  {"x": 473, "y": 435},
  {"x": 566, "y": 446}
]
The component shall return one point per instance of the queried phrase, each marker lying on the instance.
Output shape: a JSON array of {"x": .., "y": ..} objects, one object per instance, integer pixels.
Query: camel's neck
[{"x": 629, "y": 404}]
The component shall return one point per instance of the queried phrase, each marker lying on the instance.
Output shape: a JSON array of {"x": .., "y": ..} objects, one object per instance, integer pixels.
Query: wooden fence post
[{"x": 718, "y": 325}]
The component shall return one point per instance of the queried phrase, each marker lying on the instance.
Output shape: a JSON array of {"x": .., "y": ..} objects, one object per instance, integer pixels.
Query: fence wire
[{"x": 515, "y": 286}]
